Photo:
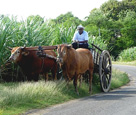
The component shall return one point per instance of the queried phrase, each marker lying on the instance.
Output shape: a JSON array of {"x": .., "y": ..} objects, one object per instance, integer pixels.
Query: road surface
[{"x": 118, "y": 102}]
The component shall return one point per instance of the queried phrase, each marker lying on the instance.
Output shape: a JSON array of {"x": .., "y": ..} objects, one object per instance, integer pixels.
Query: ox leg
[
  {"x": 54, "y": 75},
  {"x": 75, "y": 84},
  {"x": 80, "y": 80},
  {"x": 54, "y": 71},
  {"x": 36, "y": 77},
  {"x": 90, "y": 81},
  {"x": 46, "y": 76},
  {"x": 68, "y": 80},
  {"x": 29, "y": 78}
]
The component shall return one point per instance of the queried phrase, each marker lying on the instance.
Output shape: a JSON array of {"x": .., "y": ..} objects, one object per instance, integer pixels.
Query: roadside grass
[
  {"x": 132, "y": 63},
  {"x": 118, "y": 79},
  {"x": 17, "y": 98}
]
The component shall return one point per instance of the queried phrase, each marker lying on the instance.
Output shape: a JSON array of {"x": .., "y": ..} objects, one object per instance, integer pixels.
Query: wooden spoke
[
  {"x": 104, "y": 81},
  {"x": 107, "y": 61},
  {"x": 108, "y": 78}
]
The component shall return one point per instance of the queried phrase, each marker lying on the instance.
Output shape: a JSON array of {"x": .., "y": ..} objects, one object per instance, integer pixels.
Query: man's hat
[{"x": 80, "y": 27}]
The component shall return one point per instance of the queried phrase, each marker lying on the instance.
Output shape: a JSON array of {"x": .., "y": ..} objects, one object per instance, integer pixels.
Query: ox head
[
  {"x": 17, "y": 53},
  {"x": 63, "y": 53}
]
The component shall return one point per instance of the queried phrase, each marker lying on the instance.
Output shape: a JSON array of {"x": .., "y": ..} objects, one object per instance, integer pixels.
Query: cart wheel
[{"x": 105, "y": 71}]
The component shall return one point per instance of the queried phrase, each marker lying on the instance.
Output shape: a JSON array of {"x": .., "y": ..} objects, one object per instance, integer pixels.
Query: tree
[{"x": 67, "y": 19}]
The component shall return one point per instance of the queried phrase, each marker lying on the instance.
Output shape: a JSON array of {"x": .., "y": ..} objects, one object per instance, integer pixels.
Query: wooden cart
[{"x": 102, "y": 66}]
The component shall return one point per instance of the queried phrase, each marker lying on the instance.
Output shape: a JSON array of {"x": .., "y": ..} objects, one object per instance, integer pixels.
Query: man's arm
[{"x": 74, "y": 37}]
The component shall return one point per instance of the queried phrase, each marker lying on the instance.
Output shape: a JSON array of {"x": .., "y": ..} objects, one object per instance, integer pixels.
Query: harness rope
[
  {"x": 44, "y": 55},
  {"x": 42, "y": 64}
]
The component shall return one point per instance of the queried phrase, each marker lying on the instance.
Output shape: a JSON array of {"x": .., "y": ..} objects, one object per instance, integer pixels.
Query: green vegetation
[
  {"x": 116, "y": 21},
  {"x": 16, "y": 98},
  {"x": 31, "y": 32},
  {"x": 128, "y": 55}
]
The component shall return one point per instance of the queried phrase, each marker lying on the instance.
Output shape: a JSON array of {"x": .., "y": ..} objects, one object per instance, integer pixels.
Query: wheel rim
[{"x": 105, "y": 71}]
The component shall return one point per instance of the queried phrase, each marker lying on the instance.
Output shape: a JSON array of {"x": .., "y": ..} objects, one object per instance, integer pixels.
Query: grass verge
[
  {"x": 132, "y": 63},
  {"x": 17, "y": 98}
]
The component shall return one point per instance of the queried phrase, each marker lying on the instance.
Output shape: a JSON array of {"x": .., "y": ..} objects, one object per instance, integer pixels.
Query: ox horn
[
  {"x": 69, "y": 46},
  {"x": 23, "y": 47},
  {"x": 9, "y": 48}
]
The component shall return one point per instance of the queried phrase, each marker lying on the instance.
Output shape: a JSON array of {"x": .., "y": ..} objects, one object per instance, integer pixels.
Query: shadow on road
[{"x": 115, "y": 95}]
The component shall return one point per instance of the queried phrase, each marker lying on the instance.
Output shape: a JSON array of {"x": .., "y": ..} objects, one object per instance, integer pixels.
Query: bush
[{"x": 128, "y": 54}]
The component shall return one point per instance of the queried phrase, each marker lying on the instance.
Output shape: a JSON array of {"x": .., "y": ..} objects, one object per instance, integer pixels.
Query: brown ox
[
  {"x": 74, "y": 63},
  {"x": 32, "y": 65}
]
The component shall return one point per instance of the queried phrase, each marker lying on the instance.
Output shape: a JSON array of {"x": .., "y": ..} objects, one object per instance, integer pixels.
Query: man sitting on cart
[{"x": 80, "y": 39}]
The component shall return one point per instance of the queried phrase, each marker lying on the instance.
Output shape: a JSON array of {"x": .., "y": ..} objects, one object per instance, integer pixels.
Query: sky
[{"x": 48, "y": 8}]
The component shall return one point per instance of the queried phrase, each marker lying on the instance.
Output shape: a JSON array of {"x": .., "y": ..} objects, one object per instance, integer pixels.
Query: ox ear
[
  {"x": 57, "y": 47},
  {"x": 69, "y": 46},
  {"x": 25, "y": 53}
]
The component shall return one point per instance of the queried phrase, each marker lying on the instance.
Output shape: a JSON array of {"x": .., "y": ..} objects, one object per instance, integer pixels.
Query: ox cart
[{"x": 102, "y": 64}]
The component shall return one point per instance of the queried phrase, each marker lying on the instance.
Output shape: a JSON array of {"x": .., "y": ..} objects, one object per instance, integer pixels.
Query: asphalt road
[{"x": 118, "y": 102}]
